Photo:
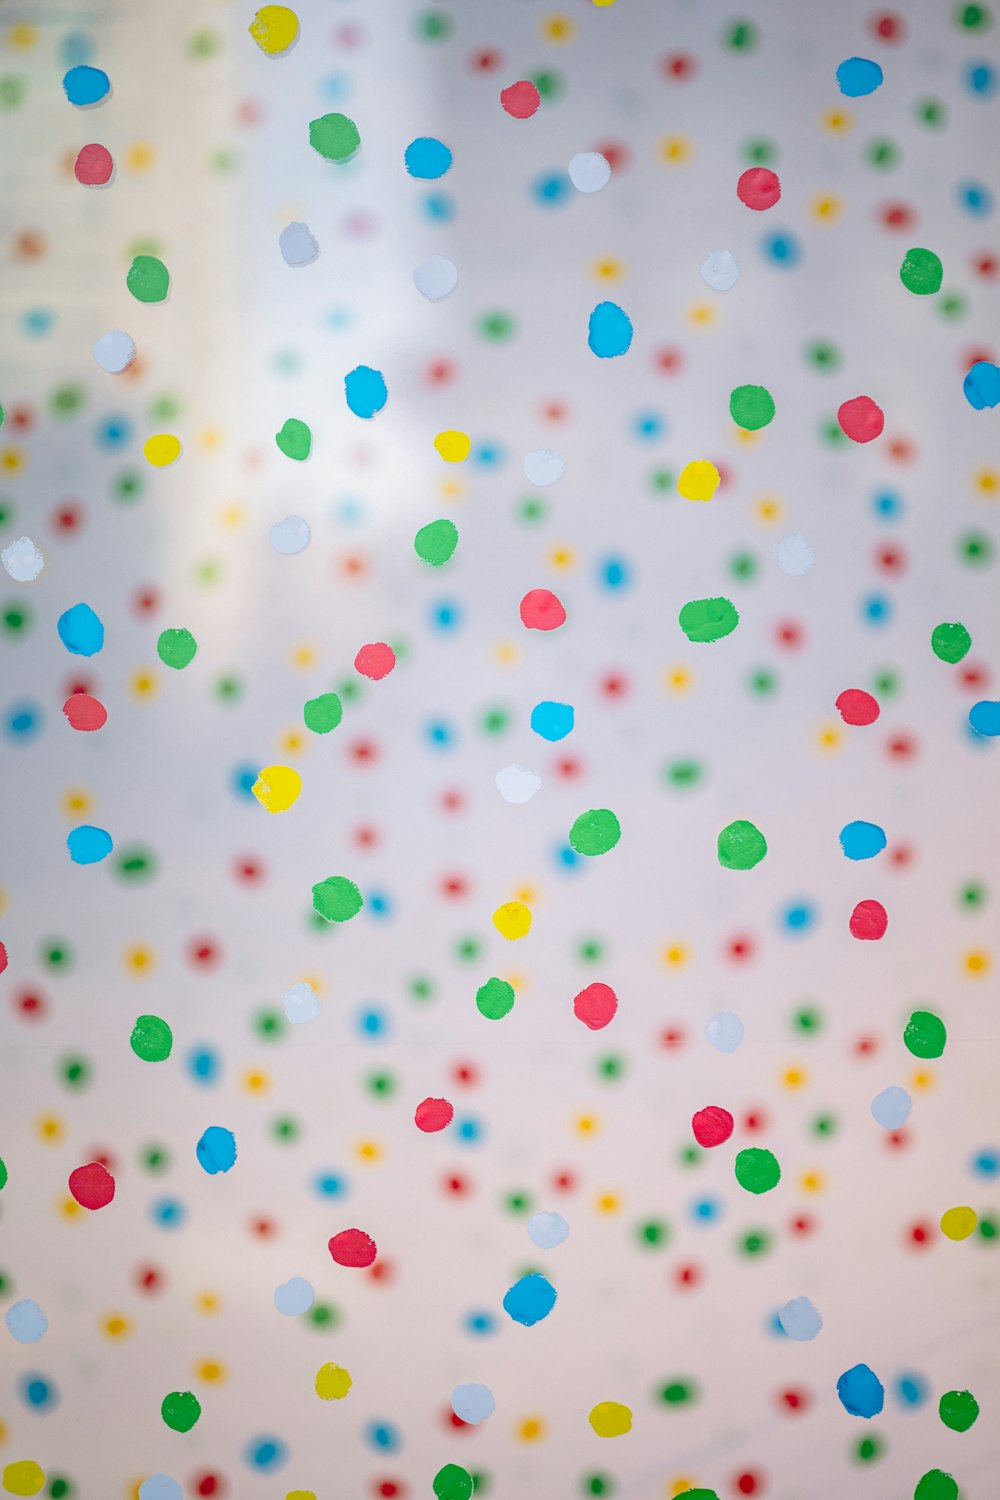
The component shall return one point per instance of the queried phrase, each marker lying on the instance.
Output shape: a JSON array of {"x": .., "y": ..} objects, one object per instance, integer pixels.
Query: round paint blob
[
  {"x": 161, "y": 450},
  {"x": 921, "y": 272},
  {"x": 724, "y": 1031},
  {"x": 959, "y": 1223},
  {"x": 495, "y": 999},
  {"x": 741, "y": 846},
  {"x": 855, "y": 706},
  {"x": 552, "y": 721},
  {"x": 543, "y": 466},
  {"x": 861, "y": 419},
  {"x": 452, "y": 1483},
  {"x": 936, "y": 1484},
  {"x": 891, "y": 1108},
  {"x": 114, "y": 351},
  {"x": 861, "y": 1392},
  {"x": 152, "y": 1039},
  {"x": 80, "y": 631},
  {"x": 541, "y": 609},
  {"x": 294, "y": 439},
  {"x": 274, "y": 28},
  {"x": 720, "y": 270},
  {"x": 88, "y": 845},
  {"x": 512, "y": 920},
  {"x": 751, "y": 407},
  {"x": 365, "y": 391},
  {"x": 924, "y": 1034},
  {"x": 595, "y": 832},
  {"x": 85, "y": 86},
  {"x": 290, "y": 536},
  {"x": 277, "y": 788},
  {"x": 435, "y": 543},
  {"x": 160, "y": 1487},
  {"x": 610, "y": 1419},
  {"x": 758, "y": 188},
  {"x": 794, "y": 555},
  {"x": 869, "y": 921},
  {"x": 180, "y": 1410},
  {"x": 698, "y": 480},
  {"x": 176, "y": 648},
  {"x": 94, "y": 165},
  {"x": 800, "y": 1319},
  {"x": 337, "y": 899},
  {"x": 981, "y": 386},
  {"x": 298, "y": 245},
  {"x": 436, "y": 278},
  {"x": 454, "y": 447},
  {"x": 294, "y": 1297},
  {"x": 432, "y": 1115},
  {"x": 216, "y": 1150},
  {"x": 375, "y": 661},
  {"x": 609, "y": 331},
  {"x": 148, "y": 279},
  {"x": 530, "y": 1300},
  {"x": 427, "y": 158},
  {"x": 332, "y": 1382},
  {"x": 22, "y": 560},
  {"x": 84, "y": 713},
  {"x": 353, "y": 1248},
  {"x": 516, "y": 785},
  {"x": 712, "y": 1126},
  {"x": 520, "y": 100},
  {"x": 335, "y": 137},
  {"x": 589, "y": 171},
  {"x": 473, "y": 1403},
  {"x": 547, "y": 1229},
  {"x": 950, "y": 643},
  {"x": 958, "y": 1410},
  {"x": 26, "y": 1323},
  {"x": 23, "y": 1477},
  {"x": 862, "y": 840},
  {"x": 323, "y": 714},
  {"x": 706, "y": 620},
  {"x": 595, "y": 1006},
  {"x": 92, "y": 1186},
  {"x": 300, "y": 1004},
  {"x": 857, "y": 76},
  {"x": 757, "y": 1170},
  {"x": 984, "y": 717}
]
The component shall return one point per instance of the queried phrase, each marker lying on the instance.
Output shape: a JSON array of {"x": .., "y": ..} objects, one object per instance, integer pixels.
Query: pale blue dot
[
  {"x": 706, "y": 1210},
  {"x": 567, "y": 856},
  {"x": 365, "y": 390},
  {"x": 798, "y": 918},
  {"x": 85, "y": 85},
  {"x": 36, "y": 322},
  {"x": 553, "y": 721},
  {"x": 782, "y": 248},
  {"x": 800, "y": 1319},
  {"x": 266, "y": 1453},
  {"x": 385, "y": 1436},
  {"x": 216, "y": 1151},
  {"x": 440, "y": 207},
  {"x": 877, "y": 609},
  {"x": 773, "y": 1325},
  {"x": 480, "y": 1323},
  {"x": 330, "y": 1185},
  {"x": 339, "y": 317},
  {"x": 547, "y": 1229},
  {"x": 23, "y": 721},
  {"x": 981, "y": 385},
  {"x": 204, "y": 1065},
  {"x": 975, "y": 198},
  {"x": 168, "y": 1213},
  {"x": 986, "y": 1163},
  {"x": 552, "y": 189},
  {"x": 88, "y": 845},
  {"x": 378, "y": 904},
  {"x": 440, "y": 734},
  {"x": 725, "y": 1031},
  {"x": 338, "y": 86},
  {"x": 294, "y": 1297},
  {"x": 891, "y": 1108},
  {"x": 160, "y": 1487},
  {"x": 38, "y": 1392},
  {"x": 911, "y": 1389},
  {"x": 76, "y": 48},
  {"x": 469, "y": 1132},
  {"x": 858, "y": 76},
  {"x": 862, "y": 840},
  {"x": 350, "y": 510},
  {"x": 473, "y": 1403},
  {"x": 26, "y": 1323},
  {"x": 887, "y": 505},
  {"x": 615, "y": 573},
  {"x": 427, "y": 158},
  {"x": 985, "y": 718},
  {"x": 372, "y": 1023},
  {"x": 861, "y": 1392},
  {"x": 114, "y": 431},
  {"x": 243, "y": 780},
  {"x": 80, "y": 631},
  {"x": 981, "y": 78},
  {"x": 530, "y": 1300},
  {"x": 446, "y": 614},
  {"x": 648, "y": 426},
  {"x": 609, "y": 332},
  {"x": 488, "y": 455}
]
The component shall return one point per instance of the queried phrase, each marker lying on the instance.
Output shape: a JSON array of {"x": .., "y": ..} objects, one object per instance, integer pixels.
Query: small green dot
[
  {"x": 76, "y": 1072},
  {"x": 57, "y": 955},
  {"x": 433, "y": 25},
  {"x": 973, "y": 17},
  {"x": 824, "y": 1126},
  {"x": 468, "y": 948},
  {"x": 973, "y": 895},
  {"x": 350, "y": 690},
  {"x": 931, "y": 112},
  {"x": 204, "y": 44},
  {"x": 154, "y": 1158},
  {"x": 61, "y": 1488},
  {"x": 760, "y": 153},
  {"x": 610, "y": 1068},
  {"x": 754, "y": 1242},
  {"x": 591, "y": 950},
  {"x": 833, "y": 434},
  {"x": 128, "y": 485},
  {"x": 67, "y": 400},
  {"x": 229, "y": 689},
  {"x": 870, "y": 1449},
  {"x": 16, "y": 619},
  {"x": 662, "y": 481},
  {"x": 164, "y": 408},
  {"x": 887, "y": 683},
  {"x": 597, "y": 1484},
  {"x": 823, "y": 355},
  {"x": 496, "y": 326},
  {"x": 209, "y": 571},
  {"x": 495, "y": 721},
  {"x": 270, "y": 1025},
  {"x": 12, "y": 91},
  {"x": 762, "y": 682},
  {"x": 988, "y": 1227},
  {"x": 953, "y": 305},
  {"x": 808, "y": 1019},
  {"x": 975, "y": 548},
  {"x": 678, "y": 1393},
  {"x": 741, "y": 36},
  {"x": 682, "y": 774},
  {"x": 883, "y": 154},
  {"x": 382, "y": 1085},
  {"x": 653, "y": 1234},
  {"x": 691, "y": 1155},
  {"x": 135, "y": 864},
  {"x": 518, "y": 1202},
  {"x": 549, "y": 84},
  {"x": 286, "y": 1129},
  {"x": 744, "y": 566},
  {"x": 421, "y": 988},
  {"x": 532, "y": 510},
  {"x": 8, "y": 510}
]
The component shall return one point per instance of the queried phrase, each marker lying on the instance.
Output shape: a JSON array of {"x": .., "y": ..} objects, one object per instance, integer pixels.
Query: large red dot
[
  {"x": 712, "y": 1125},
  {"x": 85, "y": 712},
  {"x": 858, "y": 707},
  {"x": 869, "y": 920},
  {"x": 861, "y": 419},
  {"x": 541, "y": 610},
  {"x": 94, "y": 166},
  {"x": 375, "y": 661},
  {"x": 3, "y": 958},
  {"x": 352, "y": 1247},
  {"x": 92, "y": 1186},
  {"x": 595, "y": 1006},
  {"x": 758, "y": 188},
  {"x": 521, "y": 99},
  {"x": 433, "y": 1114}
]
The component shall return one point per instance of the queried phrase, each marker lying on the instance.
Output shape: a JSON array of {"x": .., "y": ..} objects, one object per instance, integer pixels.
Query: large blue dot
[
  {"x": 85, "y": 85},
  {"x": 427, "y": 158},
  {"x": 862, "y": 840},
  {"x": 80, "y": 631},
  {"x": 553, "y": 721},
  {"x": 981, "y": 387},
  {"x": 609, "y": 332},
  {"x": 216, "y": 1151},
  {"x": 88, "y": 845},
  {"x": 861, "y": 1392},
  {"x": 858, "y": 76},
  {"x": 981, "y": 78},
  {"x": 365, "y": 390},
  {"x": 911, "y": 1388},
  {"x": 530, "y": 1300},
  {"x": 985, "y": 718},
  {"x": 39, "y": 1392}
]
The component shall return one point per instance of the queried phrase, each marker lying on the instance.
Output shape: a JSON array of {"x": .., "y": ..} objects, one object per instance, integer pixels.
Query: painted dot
[
  {"x": 891, "y": 1108},
  {"x": 337, "y": 899},
  {"x": 335, "y": 137},
  {"x": 454, "y": 447},
  {"x": 277, "y": 788},
  {"x": 552, "y": 721},
  {"x": 180, "y": 1410},
  {"x": 80, "y": 631},
  {"x": 800, "y": 1319},
  {"x": 855, "y": 706},
  {"x": 23, "y": 1477},
  {"x": 794, "y": 555},
  {"x": 720, "y": 270},
  {"x": 698, "y": 480},
  {"x": 869, "y": 921},
  {"x": 332, "y": 1382},
  {"x": 435, "y": 543},
  {"x": 84, "y": 713},
  {"x": 547, "y": 1229},
  {"x": 427, "y": 158},
  {"x": 176, "y": 648},
  {"x": 432, "y": 1115},
  {"x": 610, "y": 1419},
  {"x": 84, "y": 85},
  {"x": 936, "y": 1485},
  {"x": 959, "y": 1223},
  {"x": 152, "y": 1039},
  {"x": 712, "y": 1126},
  {"x": 354, "y": 1248},
  {"x": 148, "y": 279},
  {"x": 495, "y": 999},
  {"x": 216, "y": 1150},
  {"x": 706, "y": 620},
  {"x": 596, "y": 1006},
  {"x": 860, "y": 419},
  {"x": 294, "y": 1297},
  {"x": 473, "y": 1403},
  {"x": 984, "y": 718},
  {"x": 517, "y": 785},
  {"x": 22, "y": 560},
  {"x": 436, "y": 278},
  {"x": 857, "y": 76},
  {"x": 375, "y": 661},
  {"x": 274, "y": 28},
  {"x": 981, "y": 386},
  {"x": 512, "y": 920},
  {"x": 290, "y": 536},
  {"x": 921, "y": 272},
  {"x": 520, "y": 100},
  {"x": 114, "y": 351},
  {"x": 530, "y": 1300},
  {"x": 757, "y": 1170},
  {"x": 294, "y": 439},
  {"x": 758, "y": 188},
  {"x": 161, "y": 449},
  {"x": 88, "y": 845},
  {"x": 861, "y": 1392},
  {"x": 741, "y": 846},
  {"x": 950, "y": 643},
  {"x": 452, "y": 1483},
  {"x": 751, "y": 407},
  {"x": 862, "y": 840},
  {"x": 26, "y": 1323},
  {"x": 924, "y": 1034},
  {"x": 958, "y": 1410},
  {"x": 609, "y": 331},
  {"x": 94, "y": 165},
  {"x": 541, "y": 609},
  {"x": 300, "y": 1004},
  {"x": 589, "y": 171},
  {"x": 595, "y": 832},
  {"x": 724, "y": 1031},
  {"x": 323, "y": 714},
  {"x": 298, "y": 245},
  {"x": 92, "y": 1186},
  {"x": 159, "y": 1487},
  {"x": 543, "y": 466},
  {"x": 365, "y": 391}
]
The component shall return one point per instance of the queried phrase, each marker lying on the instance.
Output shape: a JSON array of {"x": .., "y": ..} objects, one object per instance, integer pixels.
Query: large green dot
[
  {"x": 176, "y": 648},
  {"x": 3, "y": 1174},
  {"x": 334, "y": 136},
  {"x": 435, "y": 543},
  {"x": 921, "y": 272},
  {"x": 180, "y": 1410},
  {"x": 294, "y": 439},
  {"x": 757, "y": 1170},
  {"x": 323, "y": 713},
  {"x": 453, "y": 1483},
  {"x": 337, "y": 899},
  {"x": 751, "y": 407},
  {"x": 925, "y": 1034},
  {"x": 741, "y": 846},
  {"x": 936, "y": 1485},
  {"x": 148, "y": 279},
  {"x": 958, "y": 1410},
  {"x": 495, "y": 999},
  {"x": 950, "y": 642},
  {"x": 707, "y": 620},
  {"x": 973, "y": 18},
  {"x": 151, "y": 1039},
  {"x": 595, "y": 832}
]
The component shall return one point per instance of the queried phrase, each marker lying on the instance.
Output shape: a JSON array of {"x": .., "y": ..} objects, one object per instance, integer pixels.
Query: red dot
[
  {"x": 887, "y": 26},
  {"x": 432, "y": 1115},
  {"x": 891, "y": 560},
  {"x": 382, "y": 1270},
  {"x": 94, "y": 166},
  {"x": 672, "y": 1038},
  {"x": 520, "y": 100},
  {"x": 32, "y": 1007},
  {"x": 857, "y": 707},
  {"x": 756, "y": 1119},
  {"x": 365, "y": 752},
  {"x": 869, "y": 921},
  {"x": 740, "y": 949},
  {"x": 441, "y": 371},
  {"x": 84, "y": 712},
  {"x": 352, "y": 1247},
  {"x": 145, "y": 601},
  {"x": 249, "y": 869},
  {"x": 567, "y": 767},
  {"x": 541, "y": 610},
  {"x": 803, "y": 1224},
  {"x": 457, "y": 1185},
  {"x": 209, "y": 1484},
  {"x": 986, "y": 264},
  {"x": 375, "y": 661},
  {"x": 485, "y": 61},
  {"x": 902, "y": 747},
  {"x": 204, "y": 953},
  {"x": 387, "y": 1489},
  {"x": 465, "y": 1073},
  {"x": 454, "y": 886},
  {"x": 615, "y": 685},
  {"x": 595, "y": 1006},
  {"x": 92, "y": 1186},
  {"x": 712, "y": 1126},
  {"x": 901, "y": 855},
  {"x": 789, "y": 634},
  {"x": 758, "y": 188},
  {"x": 795, "y": 1399},
  {"x": 898, "y": 1140},
  {"x": 452, "y": 800},
  {"x": 3, "y": 958},
  {"x": 749, "y": 1483},
  {"x": 688, "y": 1277},
  {"x": 866, "y": 1046},
  {"x": 452, "y": 1419},
  {"x": 669, "y": 361},
  {"x": 680, "y": 66},
  {"x": 68, "y": 517},
  {"x": 921, "y": 1233},
  {"x": 564, "y": 1181},
  {"x": 365, "y": 837},
  {"x": 861, "y": 419},
  {"x": 264, "y": 1228},
  {"x": 972, "y": 676},
  {"x": 897, "y": 216},
  {"x": 150, "y": 1279}
]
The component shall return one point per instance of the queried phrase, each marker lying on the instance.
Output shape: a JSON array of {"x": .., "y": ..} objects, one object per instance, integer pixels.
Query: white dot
[
  {"x": 589, "y": 171},
  {"x": 473, "y": 1403},
  {"x": 547, "y": 1229},
  {"x": 800, "y": 1319},
  {"x": 294, "y": 1297},
  {"x": 794, "y": 554},
  {"x": 160, "y": 1487},
  {"x": 298, "y": 244},
  {"x": 725, "y": 1031},
  {"x": 720, "y": 271},
  {"x": 515, "y": 784},
  {"x": 26, "y": 1323},
  {"x": 290, "y": 536},
  {"x": 543, "y": 466},
  {"x": 22, "y": 560},
  {"x": 301, "y": 1004},
  {"x": 891, "y": 1108},
  {"x": 115, "y": 351},
  {"x": 436, "y": 278}
]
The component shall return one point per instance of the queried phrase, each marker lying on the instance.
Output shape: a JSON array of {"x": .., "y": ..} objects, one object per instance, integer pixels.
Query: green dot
[
  {"x": 950, "y": 642},
  {"x": 883, "y": 154},
  {"x": 972, "y": 895},
  {"x": 176, "y": 648},
  {"x": 3, "y": 1174},
  {"x": 496, "y": 326},
  {"x": 8, "y": 510},
  {"x": 662, "y": 481},
  {"x": 57, "y": 954},
  {"x": 61, "y": 1488},
  {"x": 468, "y": 949},
  {"x": 323, "y": 1315},
  {"x": 757, "y": 1170},
  {"x": 134, "y": 864},
  {"x": 741, "y": 845},
  {"x": 323, "y": 713},
  {"x": 691, "y": 1155},
  {"x": 591, "y": 950},
  {"x": 744, "y": 566},
  {"x": 869, "y": 1450},
  {"x": 550, "y": 85},
  {"x": 350, "y": 690},
  {"x": 762, "y": 682},
  {"x": 595, "y": 832},
  {"x": 294, "y": 440},
  {"x": 808, "y": 1019},
  {"x": 751, "y": 407},
  {"x": 707, "y": 620},
  {"x": 921, "y": 272},
  {"x": 610, "y": 1068},
  {"x": 682, "y": 774},
  {"x": 931, "y": 112},
  {"x": 382, "y": 1085},
  {"x": 165, "y": 408},
  {"x": 741, "y": 36},
  {"x": 936, "y": 1485},
  {"x": 421, "y": 988},
  {"x": 532, "y": 509},
  {"x": 987, "y": 1227},
  {"x": 286, "y": 1129},
  {"x": 887, "y": 683},
  {"x": 953, "y": 305},
  {"x": 434, "y": 25},
  {"x": 925, "y": 1034},
  {"x": 337, "y": 899},
  {"x": 13, "y": 90},
  {"x": 824, "y": 1126},
  {"x": 128, "y": 485},
  {"x": 204, "y": 44},
  {"x": 16, "y": 619},
  {"x": 958, "y": 1410},
  {"x": 453, "y": 1483},
  {"x": 67, "y": 400},
  {"x": 754, "y": 1242},
  {"x": 495, "y": 721},
  {"x": 154, "y": 1158},
  {"x": 833, "y": 434},
  {"x": 229, "y": 689},
  {"x": 334, "y": 136},
  {"x": 180, "y": 1410},
  {"x": 973, "y": 18},
  {"x": 209, "y": 571},
  {"x": 76, "y": 1072},
  {"x": 597, "y": 1484},
  {"x": 678, "y": 1392},
  {"x": 269, "y": 1025},
  {"x": 481, "y": 1482},
  {"x": 518, "y": 1202},
  {"x": 975, "y": 548},
  {"x": 823, "y": 355},
  {"x": 148, "y": 279},
  {"x": 760, "y": 153},
  {"x": 435, "y": 543},
  {"x": 151, "y": 1039},
  {"x": 653, "y": 1234},
  {"x": 495, "y": 999}
]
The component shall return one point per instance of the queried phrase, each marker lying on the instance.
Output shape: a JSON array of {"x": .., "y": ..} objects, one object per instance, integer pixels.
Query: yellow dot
[
  {"x": 827, "y": 208},
  {"x": 211, "y": 1371},
  {"x": 812, "y": 1182},
  {"x": 301, "y": 1495},
  {"x": 233, "y": 515},
  {"x": 256, "y": 1081},
  {"x": 829, "y": 737},
  {"x": 923, "y": 1079},
  {"x": 143, "y": 684},
  {"x": 699, "y": 480},
  {"x": 293, "y": 742},
  {"x": 12, "y": 460},
  {"x": 561, "y": 558},
  {"x": 453, "y": 446},
  {"x": 303, "y": 656},
  {"x": 610, "y": 1419},
  {"x": 23, "y": 1478},
  {"x": 76, "y": 801},
  {"x": 745, "y": 438},
  {"x": 675, "y": 149},
  {"x": 50, "y": 1129},
  {"x": 675, "y": 955},
  {"x": 794, "y": 1078},
  {"x": 680, "y": 1485},
  {"x": 526, "y": 893},
  {"x": 987, "y": 482},
  {"x": 69, "y": 1208},
  {"x": 368, "y": 1151},
  {"x": 959, "y": 1223},
  {"x": 209, "y": 438},
  {"x": 702, "y": 315},
  {"x": 607, "y": 269},
  {"x": 837, "y": 121},
  {"x": 116, "y": 1326},
  {"x": 558, "y": 29},
  {"x": 978, "y": 962},
  {"x": 277, "y": 788},
  {"x": 22, "y": 35},
  {"x": 602, "y": 3},
  {"x": 208, "y": 1302},
  {"x": 607, "y": 1203},
  {"x": 679, "y": 679},
  {"x": 332, "y": 1383},
  {"x": 161, "y": 449},
  {"x": 139, "y": 959},
  {"x": 140, "y": 157},
  {"x": 453, "y": 489},
  {"x": 586, "y": 1125},
  {"x": 530, "y": 1430},
  {"x": 512, "y": 920},
  {"x": 274, "y": 29},
  {"x": 769, "y": 509},
  {"x": 506, "y": 653}
]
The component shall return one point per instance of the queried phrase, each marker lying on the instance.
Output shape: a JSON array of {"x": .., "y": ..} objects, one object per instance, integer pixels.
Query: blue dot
[
  {"x": 204, "y": 1065},
  {"x": 488, "y": 455},
  {"x": 468, "y": 1131},
  {"x": 552, "y": 189},
  {"x": 266, "y": 1453},
  {"x": 378, "y": 904},
  {"x": 427, "y": 158},
  {"x": 384, "y": 1436},
  {"x": 446, "y": 614},
  {"x": 798, "y": 917},
  {"x": 567, "y": 857},
  {"x": 986, "y": 1163},
  {"x": 782, "y": 248},
  {"x": 975, "y": 198},
  {"x": 36, "y": 322},
  {"x": 338, "y": 86},
  {"x": 706, "y": 1210},
  {"x": 862, "y": 840},
  {"x": 349, "y": 510},
  {"x": 530, "y": 1300},
  {"x": 85, "y": 85},
  {"x": 774, "y": 1326},
  {"x": 23, "y": 721},
  {"x": 76, "y": 47},
  {"x": 877, "y": 609},
  {"x": 553, "y": 721},
  {"x": 887, "y": 505},
  {"x": 373, "y": 1024},
  {"x": 26, "y": 1323},
  {"x": 80, "y": 631},
  {"x": 911, "y": 1389},
  {"x": 160, "y": 1487},
  {"x": 985, "y": 718},
  {"x": 440, "y": 207},
  {"x": 615, "y": 573},
  {"x": 981, "y": 386},
  {"x": 861, "y": 1392},
  {"x": 648, "y": 426},
  {"x": 365, "y": 390},
  {"x": 243, "y": 780},
  {"x": 168, "y": 1213},
  {"x": 330, "y": 1185},
  {"x": 981, "y": 78},
  {"x": 482, "y": 1324},
  {"x": 609, "y": 332},
  {"x": 38, "y": 1392},
  {"x": 113, "y": 432},
  {"x": 88, "y": 845},
  {"x": 216, "y": 1151},
  {"x": 440, "y": 734},
  {"x": 858, "y": 76},
  {"x": 339, "y": 317}
]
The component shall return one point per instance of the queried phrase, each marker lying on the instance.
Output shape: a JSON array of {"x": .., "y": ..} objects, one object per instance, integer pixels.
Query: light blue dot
[
  {"x": 530, "y": 1300},
  {"x": 80, "y": 631},
  {"x": 85, "y": 85},
  {"x": 365, "y": 390},
  {"x": 339, "y": 318},
  {"x": 26, "y": 1323},
  {"x": 705, "y": 1210},
  {"x": 567, "y": 858},
  {"x": 446, "y": 614},
  {"x": 330, "y": 1184},
  {"x": 338, "y": 86},
  {"x": 609, "y": 332},
  {"x": 876, "y": 609},
  {"x": 862, "y": 840},
  {"x": 37, "y": 322},
  {"x": 167, "y": 1213},
  {"x": 981, "y": 386},
  {"x": 384, "y": 1436},
  {"x": 800, "y": 1319},
  {"x": 427, "y": 158},
  {"x": 552, "y": 189},
  {"x": 725, "y": 1031},
  {"x": 294, "y": 1297},
  {"x": 858, "y": 76},
  {"x": 216, "y": 1151},
  {"x": 488, "y": 455},
  {"x": 887, "y": 505},
  {"x": 160, "y": 1487},
  {"x": 911, "y": 1389},
  {"x": 798, "y": 917},
  {"x": 615, "y": 573},
  {"x": 553, "y": 721},
  {"x": 648, "y": 426},
  {"x": 986, "y": 1163},
  {"x": 372, "y": 1024},
  {"x": 38, "y": 1392},
  {"x": 861, "y": 1392},
  {"x": 243, "y": 780},
  {"x": 23, "y": 721},
  {"x": 349, "y": 510},
  {"x": 113, "y": 432},
  {"x": 440, "y": 734},
  {"x": 984, "y": 717},
  {"x": 266, "y": 1454},
  {"x": 782, "y": 248},
  {"x": 469, "y": 1132},
  {"x": 480, "y": 1323},
  {"x": 473, "y": 1403},
  {"x": 975, "y": 198},
  {"x": 440, "y": 207},
  {"x": 547, "y": 1229},
  {"x": 981, "y": 78},
  {"x": 891, "y": 1108},
  {"x": 88, "y": 845},
  {"x": 76, "y": 47},
  {"x": 204, "y": 1065},
  {"x": 378, "y": 904}
]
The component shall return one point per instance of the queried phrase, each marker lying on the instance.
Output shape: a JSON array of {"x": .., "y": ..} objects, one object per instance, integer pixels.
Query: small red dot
[
  {"x": 679, "y": 66},
  {"x": 465, "y": 1073},
  {"x": 365, "y": 837},
  {"x": 616, "y": 154},
  {"x": 441, "y": 371},
  {"x": 249, "y": 869},
  {"x": 986, "y": 265},
  {"x": 145, "y": 601},
  {"x": 902, "y": 450},
  {"x": 972, "y": 675},
  {"x": 382, "y": 1271},
  {"x": 150, "y": 1279},
  {"x": 669, "y": 361},
  {"x": 614, "y": 685},
  {"x": 452, "y": 1419},
  {"x": 454, "y": 887},
  {"x": 457, "y": 1186},
  {"x": 688, "y": 1277},
  {"x": 755, "y": 1119},
  {"x": 673, "y": 1038},
  {"x": 210, "y": 1484},
  {"x": 921, "y": 1233},
  {"x": 22, "y": 418},
  {"x": 555, "y": 411},
  {"x": 452, "y": 800},
  {"x": 902, "y": 747},
  {"x": 898, "y": 1140},
  {"x": 789, "y": 634},
  {"x": 31, "y": 1006},
  {"x": 389, "y": 1489},
  {"x": 891, "y": 559},
  {"x": 68, "y": 518},
  {"x": 803, "y": 1224},
  {"x": 888, "y": 27},
  {"x": 265, "y": 1229},
  {"x": 486, "y": 61},
  {"x": 568, "y": 767},
  {"x": 363, "y": 752},
  {"x": 740, "y": 949},
  {"x": 901, "y": 856},
  {"x": 897, "y": 216},
  {"x": 204, "y": 952},
  {"x": 795, "y": 1399},
  {"x": 565, "y": 1182},
  {"x": 866, "y": 1046}
]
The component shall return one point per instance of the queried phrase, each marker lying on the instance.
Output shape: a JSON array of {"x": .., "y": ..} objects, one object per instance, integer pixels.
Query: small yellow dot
[
  {"x": 139, "y": 959},
  {"x": 977, "y": 962},
  {"x": 140, "y": 157},
  {"x": 512, "y": 920},
  {"x": 586, "y": 1125},
  {"x": 69, "y": 1208},
  {"x": 608, "y": 1203},
  {"x": 812, "y": 1182},
  {"x": 506, "y": 654},
  {"x": 256, "y": 1081},
  {"x": 680, "y": 1485},
  {"x": 836, "y": 121},
  {"x": 12, "y": 460},
  {"x": 769, "y": 509},
  {"x": 794, "y": 1078},
  {"x": 368, "y": 1151},
  {"x": 50, "y": 1129},
  {"x": 829, "y": 737},
  {"x": 453, "y": 446},
  {"x": 208, "y": 1302},
  {"x": 76, "y": 802},
  {"x": 530, "y": 1430},
  {"x": 233, "y": 515},
  {"x": 453, "y": 489},
  {"x": 116, "y": 1326},
  {"x": 315, "y": 982},
  {"x": 675, "y": 150},
  {"x": 22, "y": 35},
  {"x": 987, "y": 482},
  {"x": 143, "y": 684},
  {"x": 678, "y": 679},
  {"x": 676, "y": 955},
  {"x": 212, "y": 1371},
  {"x": 526, "y": 893},
  {"x": 923, "y": 1080},
  {"x": 607, "y": 269},
  {"x": 561, "y": 558},
  {"x": 959, "y": 1223},
  {"x": 702, "y": 315},
  {"x": 162, "y": 449},
  {"x": 293, "y": 742},
  {"x": 558, "y": 29},
  {"x": 744, "y": 438},
  {"x": 827, "y": 208},
  {"x": 209, "y": 439},
  {"x": 303, "y": 656}
]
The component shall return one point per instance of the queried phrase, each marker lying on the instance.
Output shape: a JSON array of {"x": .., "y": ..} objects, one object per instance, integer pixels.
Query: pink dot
[
  {"x": 433, "y": 1114},
  {"x": 595, "y": 1006},
  {"x": 541, "y": 610},
  {"x": 352, "y": 1247},
  {"x": 94, "y": 166},
  {"x": 861, "y": 419},
  {"x": 712, "y": 1126},
  {"x": 3, "y": 958},
  {"x": 858, "y": 707},
  {"x": 869, "y": 921},
  {"x": 85, "y": 712},
  {"x": 375, "y": 661},
  {"x": 758, "y": 188},
  {"x": 520, "y": 99},
  {"x": 92, "y": 1186}
]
